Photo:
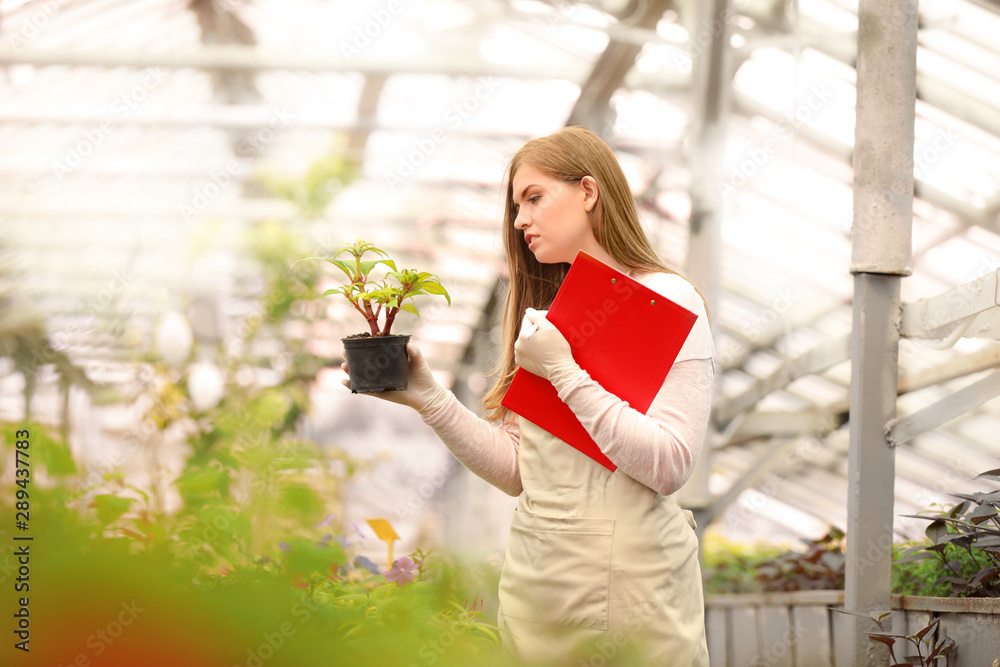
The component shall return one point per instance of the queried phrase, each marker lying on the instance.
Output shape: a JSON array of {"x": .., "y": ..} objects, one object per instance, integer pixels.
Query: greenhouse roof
[{"x": 139, "y": 141}]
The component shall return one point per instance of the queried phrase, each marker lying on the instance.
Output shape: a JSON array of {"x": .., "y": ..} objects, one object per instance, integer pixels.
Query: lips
[{"x": 529, "y": 239}]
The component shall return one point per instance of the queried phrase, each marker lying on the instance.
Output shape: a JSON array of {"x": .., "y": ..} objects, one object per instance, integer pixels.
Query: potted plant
[{"x": 377, "y": 359}]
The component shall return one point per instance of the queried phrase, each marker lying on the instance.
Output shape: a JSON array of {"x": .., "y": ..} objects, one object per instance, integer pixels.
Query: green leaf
[
  {"x": 301, "y": 500},
  {"x": 436, "y": 288},
  {"x": 198, "y": 483},
  {"x": 110, "y": 507},
  {"x": 366, "y": 267},
  {"x": 55, "y": 456},
  {"x": 409, "y": 307},
  {"x": 305, "y": 558}
]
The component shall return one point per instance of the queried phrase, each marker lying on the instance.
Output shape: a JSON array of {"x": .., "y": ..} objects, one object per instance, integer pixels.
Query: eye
[{"x": 534, "y": 198}]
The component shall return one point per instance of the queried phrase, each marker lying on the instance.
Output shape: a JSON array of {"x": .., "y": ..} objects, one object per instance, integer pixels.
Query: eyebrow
[{"x": 525, "y": 191}]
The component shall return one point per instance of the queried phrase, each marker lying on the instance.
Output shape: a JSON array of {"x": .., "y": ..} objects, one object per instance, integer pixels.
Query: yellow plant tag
[{"x": 384, "y": 531}]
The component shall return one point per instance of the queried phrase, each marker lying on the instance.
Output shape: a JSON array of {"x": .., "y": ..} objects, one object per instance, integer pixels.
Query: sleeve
[
  {"x": 660, "y": 448},
  {"x": 487, "y": 449}
]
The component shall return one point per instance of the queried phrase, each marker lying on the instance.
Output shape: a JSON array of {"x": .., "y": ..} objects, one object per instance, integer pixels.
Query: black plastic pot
[{"x": 377, "y": 363}]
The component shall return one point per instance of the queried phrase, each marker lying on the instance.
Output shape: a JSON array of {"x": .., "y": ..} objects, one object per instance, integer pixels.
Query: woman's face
[{"x": 553, "y": 214}]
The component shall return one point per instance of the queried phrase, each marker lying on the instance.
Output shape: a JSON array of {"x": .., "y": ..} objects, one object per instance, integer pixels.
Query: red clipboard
[{"x": 625, "y": 335}]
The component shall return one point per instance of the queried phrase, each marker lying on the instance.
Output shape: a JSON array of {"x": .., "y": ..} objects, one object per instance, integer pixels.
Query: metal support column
[
  {"x": 711, "y": 90},
  {"x": 881, "y": 255},
  {"x": 871, "y": 460}
]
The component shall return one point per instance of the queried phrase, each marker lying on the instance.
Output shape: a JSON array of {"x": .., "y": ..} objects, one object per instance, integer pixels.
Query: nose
[{"x": 520, "y": 220}]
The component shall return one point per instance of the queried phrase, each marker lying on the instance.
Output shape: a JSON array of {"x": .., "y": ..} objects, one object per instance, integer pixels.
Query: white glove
[
  {"x": 423, "y": 393},
  {"x": 541, "y": 349}
]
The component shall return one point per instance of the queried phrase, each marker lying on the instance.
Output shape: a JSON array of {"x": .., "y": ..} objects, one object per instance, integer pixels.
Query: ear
[{"x": 591, "y": 192}]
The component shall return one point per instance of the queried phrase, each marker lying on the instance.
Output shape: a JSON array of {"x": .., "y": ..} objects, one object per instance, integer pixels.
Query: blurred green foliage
[
  {"x": 964, "y": 540},
  {"x": 734, "y": 567},
  {"x": 731, "y": 567},
  {"x": 242, "y": 556},
  {"x": 253, "y": 569},
  {"x": 923, "y": 576}
]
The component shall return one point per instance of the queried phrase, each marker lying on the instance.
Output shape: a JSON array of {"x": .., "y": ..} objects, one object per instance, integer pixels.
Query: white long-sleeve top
[{"x": 658, "y": 449}]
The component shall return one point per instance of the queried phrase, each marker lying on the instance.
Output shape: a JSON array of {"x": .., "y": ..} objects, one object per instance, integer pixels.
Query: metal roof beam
[
  {"x": 951, "y": 314},
  {"x": 592, "y": 108},
  {"x": 934, "y": 415},
  {"x": 960, "y": 366},
  {"x": 826, "y": 354},
  {"x": 246, "y": 58},
  {"x": 748, "y": 106}
]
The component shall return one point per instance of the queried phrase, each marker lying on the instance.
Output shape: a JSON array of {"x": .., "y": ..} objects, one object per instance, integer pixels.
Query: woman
[{"x": 595, "y": 556}]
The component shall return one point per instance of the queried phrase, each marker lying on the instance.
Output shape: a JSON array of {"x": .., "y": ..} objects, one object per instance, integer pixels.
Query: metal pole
[
  {"x": 711, "y": 81},
  {"x": 881, "y": 255}
]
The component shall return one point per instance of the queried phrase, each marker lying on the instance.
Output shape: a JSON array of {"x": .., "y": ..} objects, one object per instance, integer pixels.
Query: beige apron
[{"x": 596, "y": 556}]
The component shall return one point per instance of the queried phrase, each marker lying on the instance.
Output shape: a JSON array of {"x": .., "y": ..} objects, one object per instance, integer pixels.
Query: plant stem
[
  {"x": 390, "y": 316},
  {"x": 372, "y": 318}
]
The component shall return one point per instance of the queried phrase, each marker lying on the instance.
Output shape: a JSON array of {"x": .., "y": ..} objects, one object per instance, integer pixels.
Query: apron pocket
[{"x": 557, "y": 571}]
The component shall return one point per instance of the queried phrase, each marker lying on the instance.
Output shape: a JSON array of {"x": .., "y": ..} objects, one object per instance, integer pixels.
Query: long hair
[{"x": 567, "y": 155}]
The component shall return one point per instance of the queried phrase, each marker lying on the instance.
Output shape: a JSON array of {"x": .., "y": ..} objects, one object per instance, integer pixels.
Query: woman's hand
[
  {"x": 423, "y": 393},
  {"x": 541, "y": 348}
]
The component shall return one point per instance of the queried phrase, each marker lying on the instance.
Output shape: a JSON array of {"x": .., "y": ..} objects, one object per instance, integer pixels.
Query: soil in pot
[{"x": 377, "y": 363}]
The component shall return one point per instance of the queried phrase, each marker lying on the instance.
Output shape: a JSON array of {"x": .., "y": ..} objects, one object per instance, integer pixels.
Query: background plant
[
  {"x": 929, "y": 650},
  {"x": 926, "y": 576},
  {"x": 733, "y": 567},
  {"x": 821, "y": 566},
  {"x": 243, "y": 555},
  {"x": 971, "y": 526}
]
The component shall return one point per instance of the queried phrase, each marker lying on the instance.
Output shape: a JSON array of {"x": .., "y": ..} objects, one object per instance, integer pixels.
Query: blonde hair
[{"x": 567, "y": 155}]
